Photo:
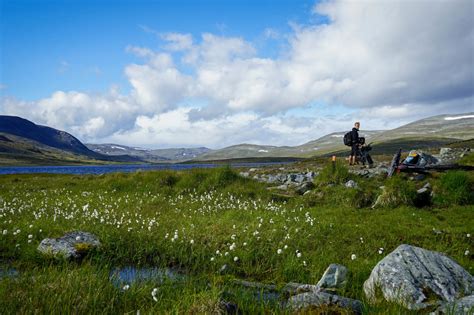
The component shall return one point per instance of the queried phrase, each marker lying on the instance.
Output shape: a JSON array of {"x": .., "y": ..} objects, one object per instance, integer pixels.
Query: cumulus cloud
[{"x": 386, "y": 62}]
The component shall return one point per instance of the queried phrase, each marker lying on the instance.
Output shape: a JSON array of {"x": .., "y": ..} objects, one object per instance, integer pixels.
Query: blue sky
[
  {"x": 217, "y": 73},
  {"x": 80, "y": 45}
]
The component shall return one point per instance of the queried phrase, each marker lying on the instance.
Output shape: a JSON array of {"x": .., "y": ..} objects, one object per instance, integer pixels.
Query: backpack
[{"x": 348, "y": 139}]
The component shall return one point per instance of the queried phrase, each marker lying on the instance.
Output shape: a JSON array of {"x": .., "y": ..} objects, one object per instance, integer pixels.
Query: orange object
[{"x": 334, "y": 158}]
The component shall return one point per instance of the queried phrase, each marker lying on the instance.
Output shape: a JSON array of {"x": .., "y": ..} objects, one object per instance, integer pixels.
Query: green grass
[{"x": 137, "y": 215}]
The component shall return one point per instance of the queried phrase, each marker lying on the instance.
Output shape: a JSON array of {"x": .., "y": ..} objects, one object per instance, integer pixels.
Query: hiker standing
[{"x": 355, "y": 143}]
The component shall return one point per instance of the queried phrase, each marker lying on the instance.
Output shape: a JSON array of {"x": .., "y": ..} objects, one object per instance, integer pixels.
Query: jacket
[{"x": 355, "y": 136}]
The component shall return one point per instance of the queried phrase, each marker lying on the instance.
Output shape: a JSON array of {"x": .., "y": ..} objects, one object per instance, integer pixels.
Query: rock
[
  {"x": 270, "y": 179},
  {"x": 281, "y": 177},
  {"x": 244, "y": 174},
  {"x": 333, "y": 278},
  {"x": 304, "y": 188},
  {"x": 418, "y": 278},
  {"x": 227, "y": 307},
  {"x": 252, "y": 170},
  {"x": 290, "y": 177},
  {"x": 458, "y": 307},
  {"x": 351, "y": 184},
  {"x": 293, "y": 288},
  {"x": 323, "y": 300},
  {"x": 310, "y": 175},
  {"x": 255, "y": 285},
  {"x": 451, "y": 155},
  {"x": 299, "y": 178},
  {"x": 419, "y": 177},
  {"x": 71, "y": 245},
  {"x": 423, "y": 196},
  {"x": 282, "y": 187}
]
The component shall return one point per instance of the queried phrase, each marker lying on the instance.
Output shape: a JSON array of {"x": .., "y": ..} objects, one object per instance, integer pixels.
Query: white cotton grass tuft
[
  {"x": 353, "y": 257},
  {"x": 154, "y": 292},
  {"x": 126, "y": 287}
]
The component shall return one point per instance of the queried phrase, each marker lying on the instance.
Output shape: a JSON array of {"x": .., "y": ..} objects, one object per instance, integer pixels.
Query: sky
[{"x": 161, "y": 74}]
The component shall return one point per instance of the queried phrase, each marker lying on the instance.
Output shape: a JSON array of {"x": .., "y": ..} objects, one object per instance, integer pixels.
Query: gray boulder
[
  {"x": 299, "y": 178},
  {"x": 304, "y": 188},
  {"x": 71, "y": 245},
  {"x": 418, "y": 278},
  {"x": 334, "y": 277},
  {"x": 314, "y": 300},
  {"x": 459, "y": 307},
  {"x": 351, "y": 184}
]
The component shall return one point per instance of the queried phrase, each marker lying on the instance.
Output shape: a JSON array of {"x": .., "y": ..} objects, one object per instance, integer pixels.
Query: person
[{"x": 355, "y": 143}]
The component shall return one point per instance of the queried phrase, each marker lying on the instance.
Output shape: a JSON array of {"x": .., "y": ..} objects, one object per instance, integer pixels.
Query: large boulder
[
  {"x": 324, "y": 301},
  {"x": 71, "y": 245},
  {"x": 335, "y": 277},
  {"x": 418, "y": 278}
]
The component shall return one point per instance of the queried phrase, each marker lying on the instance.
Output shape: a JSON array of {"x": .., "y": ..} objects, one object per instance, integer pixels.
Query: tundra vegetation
[{"x": 210, "y": 227}]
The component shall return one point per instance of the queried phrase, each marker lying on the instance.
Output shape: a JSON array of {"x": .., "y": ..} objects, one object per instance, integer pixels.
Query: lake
[{"x": 124, "y": 168}]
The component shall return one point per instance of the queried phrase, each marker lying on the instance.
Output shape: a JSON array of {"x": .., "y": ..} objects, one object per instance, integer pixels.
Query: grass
[{"x": 189, "y": 221}]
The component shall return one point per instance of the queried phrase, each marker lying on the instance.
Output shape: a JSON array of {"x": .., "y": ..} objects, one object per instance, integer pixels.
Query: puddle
[
  {"x": 8, "y": 273},
  {"x": 133, "y": 275}
]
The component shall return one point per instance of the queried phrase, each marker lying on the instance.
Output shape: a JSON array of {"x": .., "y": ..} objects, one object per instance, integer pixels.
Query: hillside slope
[
  {"x": 432, "y": 131},
  {"x": 23, "y": 142}
]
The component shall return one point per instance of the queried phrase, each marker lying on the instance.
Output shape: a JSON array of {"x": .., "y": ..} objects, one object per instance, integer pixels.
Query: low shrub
[
  {"x": 397, "y": 192},
  {"x": 333, "y": 173},
  {"x": 454, "y": 187}
]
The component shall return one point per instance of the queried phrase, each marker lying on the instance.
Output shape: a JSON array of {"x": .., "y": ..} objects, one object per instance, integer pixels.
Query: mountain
[
  {"x": 150, "y": 155},
  {"x": 22, "y": 141},
  {"x": 425, "y": 133}
]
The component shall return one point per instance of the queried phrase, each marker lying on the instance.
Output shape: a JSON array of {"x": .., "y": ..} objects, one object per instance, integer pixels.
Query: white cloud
[
  {"x": 177, "y": 41},
  {"x": 389, "y": 62}
]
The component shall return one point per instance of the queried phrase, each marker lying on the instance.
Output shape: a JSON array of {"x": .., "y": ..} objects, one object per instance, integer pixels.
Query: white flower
[
  {"x": 304, "y": 262},
  {"x": 5, "y": 232},
  {"x": 298, "y": 254},
  {"x": 468, "y": 235},
  {"x": 226, "y": 254},
  {"x": 31, "y": 225},
  {"x": 285, "y": 247},
  {"x": 212, "y": 258},
  {"x": 217, "y": 252},
  {"x": 466, "y": 253},
  {"x": 30, "y": 236},
  {"x": 154, "y": 293},
  {"x": 236, "y": 258},
  {"x": 126, "y": 287},
  {"x": 40, "y": 230},
  {"x": 380, "y": 250},
  {"x": 191, "y": 242},
  {"x": 353, "y": 257},
  {"x": 279, "y": 251},
  {"x": 232, "y": 247},
  {"x": 245, "y": 244}
]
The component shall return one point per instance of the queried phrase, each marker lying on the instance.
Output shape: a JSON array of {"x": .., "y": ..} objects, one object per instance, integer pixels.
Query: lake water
[{"x": 103, "y": 169}]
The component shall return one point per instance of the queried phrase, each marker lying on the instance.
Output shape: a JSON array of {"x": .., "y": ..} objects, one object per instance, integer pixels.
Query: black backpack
[{"x": 348, "y": 139}]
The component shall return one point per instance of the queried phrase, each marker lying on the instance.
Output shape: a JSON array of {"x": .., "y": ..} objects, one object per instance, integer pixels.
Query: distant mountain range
[
  {"x": 150, "y": 155},
  {"x": 23, "y": 142}
]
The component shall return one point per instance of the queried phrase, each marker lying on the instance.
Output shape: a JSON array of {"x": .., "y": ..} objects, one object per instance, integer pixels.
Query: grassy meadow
[{"x": 195, "y": 222}]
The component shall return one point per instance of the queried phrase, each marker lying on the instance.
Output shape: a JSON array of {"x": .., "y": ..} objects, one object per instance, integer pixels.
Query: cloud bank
[{"x": 384, "y": 63}]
